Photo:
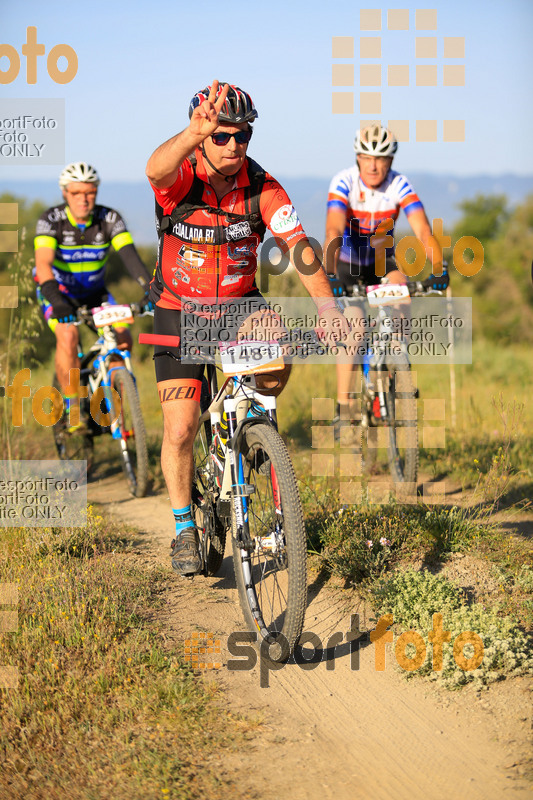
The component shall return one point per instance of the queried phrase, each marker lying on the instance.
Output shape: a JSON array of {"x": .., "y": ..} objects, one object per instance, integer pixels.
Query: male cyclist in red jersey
[
  {"x": 213, "y": 205},
  {"x": 360, "y": 198}
]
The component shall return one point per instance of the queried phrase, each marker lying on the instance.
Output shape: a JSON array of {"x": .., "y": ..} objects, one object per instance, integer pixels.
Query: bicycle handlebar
[
  {"x": 84, "y": 314},
  {"x": 415, "y": 288}
]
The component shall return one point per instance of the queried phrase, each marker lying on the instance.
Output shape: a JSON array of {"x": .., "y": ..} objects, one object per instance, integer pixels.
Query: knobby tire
[
  {"x": 132, "y": 441},
  {"x": 272, "y": 586},
  {"x": 400, "y": 400}
]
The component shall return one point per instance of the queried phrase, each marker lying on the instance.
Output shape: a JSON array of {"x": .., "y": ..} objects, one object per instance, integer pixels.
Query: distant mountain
[{"x": 440, "y": 194}]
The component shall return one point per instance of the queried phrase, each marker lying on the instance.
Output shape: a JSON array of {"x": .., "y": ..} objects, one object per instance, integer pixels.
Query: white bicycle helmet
[
  {"x": 78, "y": 172},
  {"x": 375, "y": 141}
]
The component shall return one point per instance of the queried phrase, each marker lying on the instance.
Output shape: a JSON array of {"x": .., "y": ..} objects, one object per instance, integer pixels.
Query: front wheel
[
  {"x": 130, "y": 433},
  {"x": 270, "y": 567},
  {"x": 400, "y": 401}
]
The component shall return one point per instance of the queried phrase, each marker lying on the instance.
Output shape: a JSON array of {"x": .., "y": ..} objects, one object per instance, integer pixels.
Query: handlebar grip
[{"x": 157, "y": 338}]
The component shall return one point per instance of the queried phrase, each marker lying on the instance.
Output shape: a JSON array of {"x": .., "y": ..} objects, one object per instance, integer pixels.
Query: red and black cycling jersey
[{"x": 208, "y": 247}]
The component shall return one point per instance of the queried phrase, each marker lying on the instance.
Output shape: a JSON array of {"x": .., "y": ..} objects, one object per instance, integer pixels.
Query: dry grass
[{"x": 103, "y": 709}]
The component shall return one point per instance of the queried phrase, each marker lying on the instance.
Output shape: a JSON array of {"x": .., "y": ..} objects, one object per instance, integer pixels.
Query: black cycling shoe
[{"x": 185, "y": 552}]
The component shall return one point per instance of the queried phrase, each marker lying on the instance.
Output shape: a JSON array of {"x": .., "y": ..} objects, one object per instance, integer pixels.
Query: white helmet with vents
[
  {"x": 375, "y": 140},
  {"x": 78, "y": 172}
]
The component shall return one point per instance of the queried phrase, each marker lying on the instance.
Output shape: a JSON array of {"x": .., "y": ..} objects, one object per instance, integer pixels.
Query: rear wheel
[
  {"x": 130, "y": 433},
  {"x": 270, "y": 569},
  {"x": 355, "y": 435},
  {"x": 211, "y": 528},
  {"x": 400, "y": 401}
]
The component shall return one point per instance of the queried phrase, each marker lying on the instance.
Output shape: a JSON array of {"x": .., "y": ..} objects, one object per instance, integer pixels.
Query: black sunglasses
[{"x": 241, "y": 137}]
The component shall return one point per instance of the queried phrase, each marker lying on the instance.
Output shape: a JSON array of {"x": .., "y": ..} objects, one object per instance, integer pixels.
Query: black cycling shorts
[
  {"x": 349, "y": 274},
  {"x": 198, "y": 333}
]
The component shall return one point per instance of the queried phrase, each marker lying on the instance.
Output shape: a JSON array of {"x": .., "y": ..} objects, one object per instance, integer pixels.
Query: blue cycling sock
[
  {"x": 68, "y": 401},
  {"x": 183, "y": 517}
]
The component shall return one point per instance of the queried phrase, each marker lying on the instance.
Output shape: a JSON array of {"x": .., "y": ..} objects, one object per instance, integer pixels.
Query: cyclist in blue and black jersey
[{"x": 72, "y": 245}]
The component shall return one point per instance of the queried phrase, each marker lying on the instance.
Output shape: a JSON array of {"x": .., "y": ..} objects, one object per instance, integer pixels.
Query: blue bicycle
[{"x": 112, "y": 405}]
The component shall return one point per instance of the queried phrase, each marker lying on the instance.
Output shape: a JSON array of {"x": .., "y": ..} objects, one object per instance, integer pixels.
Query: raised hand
[{"x": 204, "y": 119}]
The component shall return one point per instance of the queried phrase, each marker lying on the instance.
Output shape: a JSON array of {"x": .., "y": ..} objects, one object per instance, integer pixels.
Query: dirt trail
[{"x": 341, "y": 732}]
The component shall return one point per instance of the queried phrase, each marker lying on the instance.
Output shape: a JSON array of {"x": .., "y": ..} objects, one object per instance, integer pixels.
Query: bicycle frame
[
  {"x": 95, "y": 364},
  {"x": 381, "y": 337},
  {"x": 235, "y": 398}
]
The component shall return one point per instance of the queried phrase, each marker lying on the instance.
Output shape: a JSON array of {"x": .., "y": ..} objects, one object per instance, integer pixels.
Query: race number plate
[
  {"x": 107, "y": 315},
  {"x": 242, "y": 358},
  {"x": 382, "y": 294}
]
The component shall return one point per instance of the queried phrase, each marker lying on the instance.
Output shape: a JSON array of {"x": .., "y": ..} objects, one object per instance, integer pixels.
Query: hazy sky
[{"x": 140, "y": 63}]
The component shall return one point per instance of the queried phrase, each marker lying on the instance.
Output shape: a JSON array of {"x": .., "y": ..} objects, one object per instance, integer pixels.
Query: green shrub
[{"x": 413, "y": 597}]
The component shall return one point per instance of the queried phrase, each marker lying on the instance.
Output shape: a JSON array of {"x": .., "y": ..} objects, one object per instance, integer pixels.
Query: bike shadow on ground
[
  {"x": 334, "y": 651},
  {"x": 336, "y": 623},
  {"x": 331, "y": 630},
  {"x": 225, "y": 577}
]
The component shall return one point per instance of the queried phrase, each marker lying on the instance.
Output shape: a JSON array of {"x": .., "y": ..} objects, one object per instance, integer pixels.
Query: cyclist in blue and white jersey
[{"x": 360, "y": 198}]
